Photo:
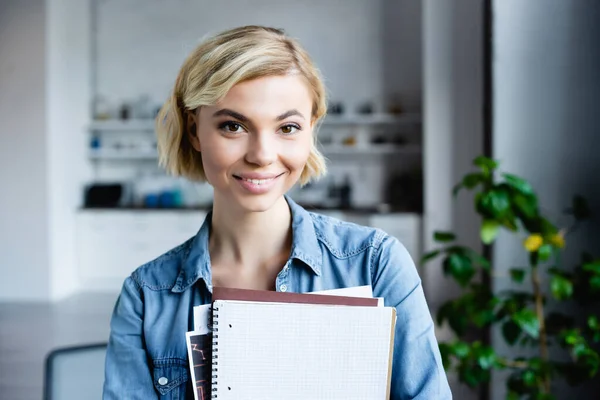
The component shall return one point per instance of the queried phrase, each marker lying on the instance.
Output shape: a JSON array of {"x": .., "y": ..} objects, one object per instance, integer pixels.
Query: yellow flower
[
  {"x": 533, "y": 242},
  {"x": 557, "y": 240}
]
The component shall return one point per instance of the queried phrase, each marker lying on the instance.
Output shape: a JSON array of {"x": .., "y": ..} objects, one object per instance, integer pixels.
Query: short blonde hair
[{"x": 212, "y": 69}]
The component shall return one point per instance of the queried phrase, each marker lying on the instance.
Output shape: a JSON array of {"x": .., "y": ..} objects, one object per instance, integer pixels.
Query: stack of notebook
[{"x": 269, "y": 345}]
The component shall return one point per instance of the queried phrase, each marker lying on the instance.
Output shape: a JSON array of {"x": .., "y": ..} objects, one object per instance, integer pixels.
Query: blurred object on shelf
[
  {"x": 365, "y": 108},
  {"x": 395, "y": 105},
  {"x": 349, "y": 141},
  {"x": 335, "y": 108},
  {"x": 345, "y": 193},
  {"x": 104, "y": 195},
  {"x": 405, "y": 192},
  {"x": 142, "y": 108},
  {"x": 101, "y": 109},
  {"x": 125, "y": 112}
]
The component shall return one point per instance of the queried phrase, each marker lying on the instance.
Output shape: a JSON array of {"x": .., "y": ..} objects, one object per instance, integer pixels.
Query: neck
[{"x": 251, "y": 240}]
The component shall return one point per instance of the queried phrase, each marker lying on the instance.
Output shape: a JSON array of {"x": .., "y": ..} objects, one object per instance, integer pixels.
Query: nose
[{"x": 262, "y": 150}]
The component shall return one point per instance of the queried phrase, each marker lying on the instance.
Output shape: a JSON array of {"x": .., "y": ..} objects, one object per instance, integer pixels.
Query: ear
[{"x": 192, "y": 128}]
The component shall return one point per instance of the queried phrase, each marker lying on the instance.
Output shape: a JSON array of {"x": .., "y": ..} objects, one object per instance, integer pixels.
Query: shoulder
[
  {"x": 345, "y": 239},
  {"x": 162, "y": 272}
]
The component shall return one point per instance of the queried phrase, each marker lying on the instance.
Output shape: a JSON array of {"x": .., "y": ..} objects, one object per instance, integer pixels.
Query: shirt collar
[{"x": 305, "y": 247}]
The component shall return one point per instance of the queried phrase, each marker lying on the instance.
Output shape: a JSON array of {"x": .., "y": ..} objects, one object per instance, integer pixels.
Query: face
[{"x": 256, "y": 141}]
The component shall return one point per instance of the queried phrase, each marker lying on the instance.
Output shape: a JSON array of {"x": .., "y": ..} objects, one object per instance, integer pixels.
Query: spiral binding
[{"x": 215, "y": 349}]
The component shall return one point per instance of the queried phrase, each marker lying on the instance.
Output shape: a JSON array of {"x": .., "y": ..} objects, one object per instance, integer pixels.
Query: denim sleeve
[
  {"x": 127, "y": 375},
  {"x": 417, "y": 371}
]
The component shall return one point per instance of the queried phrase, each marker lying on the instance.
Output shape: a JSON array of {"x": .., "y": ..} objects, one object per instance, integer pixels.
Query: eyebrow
[{"x": 243, "y": 118}]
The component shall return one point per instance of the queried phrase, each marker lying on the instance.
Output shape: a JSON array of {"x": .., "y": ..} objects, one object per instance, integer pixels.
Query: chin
[{"x": 257, "y": 203}]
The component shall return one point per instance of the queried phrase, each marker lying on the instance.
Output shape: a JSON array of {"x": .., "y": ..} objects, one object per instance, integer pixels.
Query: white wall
[
  {"x": 141, "y": 44},
  {"x": 547, "y": 91},
  {"x": 68, "y": 79},
  {"x": 452, "y": 79},
  {"x": 44, "y": 103},
  {"x": 23, "y": 159}
]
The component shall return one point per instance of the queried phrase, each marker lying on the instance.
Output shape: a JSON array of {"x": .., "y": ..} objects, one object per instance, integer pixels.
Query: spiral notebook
[{"x": 301, "y": 351}]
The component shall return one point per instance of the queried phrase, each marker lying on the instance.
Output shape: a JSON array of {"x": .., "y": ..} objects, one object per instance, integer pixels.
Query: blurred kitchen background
[{"x": 417, "y": 88}]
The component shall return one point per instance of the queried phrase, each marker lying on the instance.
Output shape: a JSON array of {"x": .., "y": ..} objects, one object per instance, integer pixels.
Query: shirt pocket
[{"x": 170, "y": 378}]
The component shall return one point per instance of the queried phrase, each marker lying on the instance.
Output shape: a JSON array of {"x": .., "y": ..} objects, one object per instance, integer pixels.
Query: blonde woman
[{"x": 242, "y": 116}]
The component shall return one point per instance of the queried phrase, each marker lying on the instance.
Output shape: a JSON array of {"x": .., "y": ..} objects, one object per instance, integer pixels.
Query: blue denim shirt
[{"x": 147, "y": 355}]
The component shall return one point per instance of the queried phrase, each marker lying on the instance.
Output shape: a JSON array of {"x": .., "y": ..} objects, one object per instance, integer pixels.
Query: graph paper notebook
[{"x": 295, "y": 351}]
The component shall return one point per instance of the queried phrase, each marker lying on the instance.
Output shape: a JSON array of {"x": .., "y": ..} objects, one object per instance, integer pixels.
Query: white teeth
[{"x": 258, "y": 181}]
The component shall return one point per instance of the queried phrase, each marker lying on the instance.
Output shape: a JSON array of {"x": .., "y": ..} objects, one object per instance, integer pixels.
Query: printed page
[
  {"x": 299, "y": 351},
  {"x": 199, "y": 346},
  {"x": 365, "y": 291}
]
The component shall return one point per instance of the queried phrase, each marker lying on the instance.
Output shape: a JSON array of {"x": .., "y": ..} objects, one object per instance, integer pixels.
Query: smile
[
  {"x": 257, "y": 184},
  {"x": 258, "y": 181}
]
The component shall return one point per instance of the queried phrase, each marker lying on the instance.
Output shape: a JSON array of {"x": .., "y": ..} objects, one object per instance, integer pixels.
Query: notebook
[
  {"x": 199, "y": 341},
  {"x": 294, "y": 351}
]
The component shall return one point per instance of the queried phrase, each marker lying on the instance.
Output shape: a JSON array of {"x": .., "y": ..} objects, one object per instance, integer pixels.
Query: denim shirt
[{"x": 147, "y": 354}]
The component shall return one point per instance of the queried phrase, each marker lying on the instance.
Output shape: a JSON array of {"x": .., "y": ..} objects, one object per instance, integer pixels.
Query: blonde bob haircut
[{"x": 211, "y": 70}]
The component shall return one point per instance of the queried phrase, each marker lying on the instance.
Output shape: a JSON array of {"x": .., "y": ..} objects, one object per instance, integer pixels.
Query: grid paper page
[{"x": 301, "y": 352}]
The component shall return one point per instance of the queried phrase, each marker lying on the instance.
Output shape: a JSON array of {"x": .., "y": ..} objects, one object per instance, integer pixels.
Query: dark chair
[{"x": 75, "y": 372}]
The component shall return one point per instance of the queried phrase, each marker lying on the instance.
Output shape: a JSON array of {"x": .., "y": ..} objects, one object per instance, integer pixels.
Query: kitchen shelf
[
  {"x": 110, "y": 154},
  {"x": 372, "y": 150},
  {"x": 147, "y": 125},
  {"x": 371, "y": 119},
  {"x": 375, "y": 149}
]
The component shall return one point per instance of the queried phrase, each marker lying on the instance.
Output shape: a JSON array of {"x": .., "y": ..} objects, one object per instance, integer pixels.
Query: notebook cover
[
  {"x": 231, "y": 356},
  {"x": 391, "y": 359},
  {"x": 221, "y": 293}
]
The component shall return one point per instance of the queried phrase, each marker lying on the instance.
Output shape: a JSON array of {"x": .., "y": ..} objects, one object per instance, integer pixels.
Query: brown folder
[{"x": 221, "y": 293}]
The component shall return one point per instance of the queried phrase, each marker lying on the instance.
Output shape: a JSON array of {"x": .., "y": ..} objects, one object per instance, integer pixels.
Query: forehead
[{"x": 271, "y": 94}]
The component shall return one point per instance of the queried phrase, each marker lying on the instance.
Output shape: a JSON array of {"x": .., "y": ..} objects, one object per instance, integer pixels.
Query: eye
[
  {"x": 231, "y": 127},
  {"x": 289, "y": 129}
]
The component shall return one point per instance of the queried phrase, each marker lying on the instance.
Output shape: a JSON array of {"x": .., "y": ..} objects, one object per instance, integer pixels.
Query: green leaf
[
  {"x": 529, "y": 378},
  {"x": 593, "y": 266},
  {"x": 562, "y": 287},
  {"x": 486, "y": 358},
  {"x": 526, "y": 206},
  {"x": 517, "y": 275},
  {"x": 429, "y": 256},
  {"x": 545, "y": 252},
  {"x": 595, "y": 282},
  {"x": 519, "y": 184},
  {"x": 456, "y": 189},
  {"x": 471, "y": 180},
  {"x": 486, "y": 164},
  {"x": 461, "y": 349},
  {"x": 580, "y": 209},
  {"x": 460, "y": 268},
  {"x": 494, "y": 204},
  {"x": 593, "y": 322},
  {"x": 544, "y": 396},
  {"x": 439, "y": 236},
  {"x": 512, "y": 396},
  {"x": 528, "y": 322},
  {"x": 489, "y": 231},
  {"x": 445, "y": 352},
  {"x": 546, "y": 228},
  {"x": 511, "y": 332}
]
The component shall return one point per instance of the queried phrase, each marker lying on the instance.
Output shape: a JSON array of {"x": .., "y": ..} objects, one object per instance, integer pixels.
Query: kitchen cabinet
[{"x": 112, "y": 243}]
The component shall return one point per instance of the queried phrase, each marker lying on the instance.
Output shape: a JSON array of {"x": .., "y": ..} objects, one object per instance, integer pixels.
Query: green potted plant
[{"x": 524, "y": 315}]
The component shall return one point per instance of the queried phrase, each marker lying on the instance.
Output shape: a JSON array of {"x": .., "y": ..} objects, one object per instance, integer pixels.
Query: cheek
[{"x": 297, "y": 155}]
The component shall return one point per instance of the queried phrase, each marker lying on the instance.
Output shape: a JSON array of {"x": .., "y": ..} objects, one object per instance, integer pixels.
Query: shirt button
[
  {"x": 283, "y": 288},
  {"x": 162, "y": 381}
]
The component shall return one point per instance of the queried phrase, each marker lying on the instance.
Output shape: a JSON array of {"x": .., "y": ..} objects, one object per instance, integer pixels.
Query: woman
[{"x": 242, "y": 117}]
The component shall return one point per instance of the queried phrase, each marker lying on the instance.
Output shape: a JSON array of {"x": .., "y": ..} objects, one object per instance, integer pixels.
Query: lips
[
  {"x": 257, "y": 183},
  {"x": 257, "y": 179}
]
